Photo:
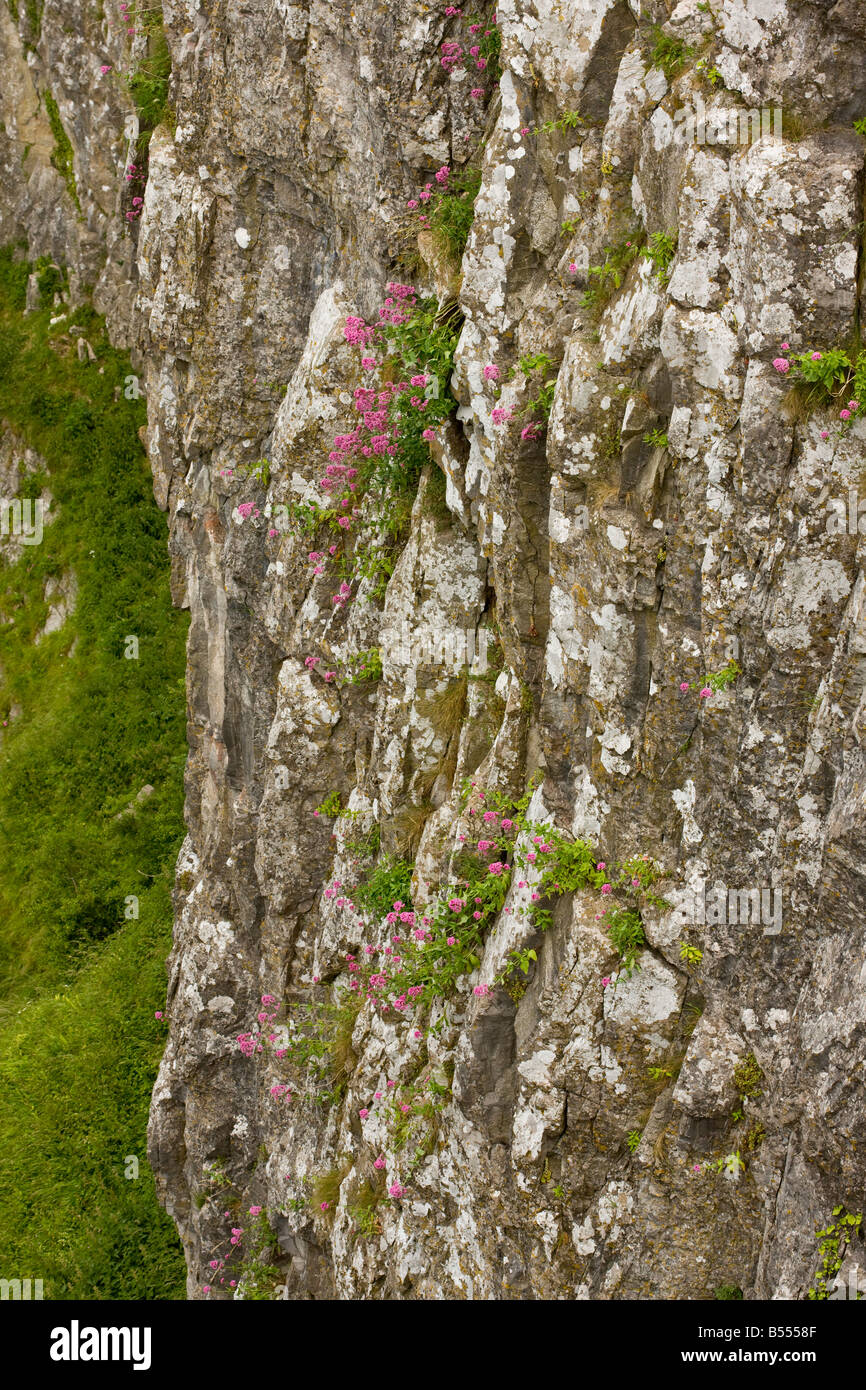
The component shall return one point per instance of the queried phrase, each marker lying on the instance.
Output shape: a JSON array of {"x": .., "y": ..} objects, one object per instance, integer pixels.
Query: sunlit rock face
[{"x": 590, "y": 1133}]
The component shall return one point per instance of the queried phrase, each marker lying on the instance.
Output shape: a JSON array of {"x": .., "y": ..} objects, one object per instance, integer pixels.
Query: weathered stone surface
[{"x": 615, "y": 568}]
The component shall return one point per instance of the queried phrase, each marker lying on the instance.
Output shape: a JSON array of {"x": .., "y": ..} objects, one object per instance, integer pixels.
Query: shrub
[{"x": 452, "y": 213}]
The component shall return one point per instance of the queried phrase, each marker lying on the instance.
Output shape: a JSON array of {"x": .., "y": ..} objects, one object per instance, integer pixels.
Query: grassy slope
[{"x": 79, "y": 984}]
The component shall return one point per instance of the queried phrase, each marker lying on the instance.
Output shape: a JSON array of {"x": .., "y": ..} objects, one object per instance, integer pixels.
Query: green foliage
[
  {"x": 259, "y": 1281},
  {"x": 62, "y": 156},
  {"x": 728, "y": 1292},
  {"x": 709, "y": 72},
  {"x": 661, "y": 250},
  {"x": 307, "y": 517},
  {"x": 669, "y": 54},
  {"x": 541, "y": 374},
  {"x": 367, "y": 846},
  {"x": 489, "y": 40},
  {"x": 425, "y": 343},
  {"x": 572, "y": 867},
  {"x": 50, "y": 281},
  {"x": 625, "y": 929},
  {"x": 829, "y": 378},
  {"x": 79, "y": 982},
  {"x": 832, "y": 1244},
  {"x": 608, "y": 276},
  {"x": 516, "y": 960},
  {"x": 692, "y": 955},
  {"x": 326, "y": 1190},
  {"x": 364, "y": 1213},
  {"x": 633, "y": 1140},
  {"x": 389, "y": 882},
  {"x": 860, "y": 126},
  {"x": 748, "y": 1076},
  {"x": 331, "y": 806},
  {"x": 720, "y": 680},
  {"x": 569, "y": 121},
  {"x": 148, "y": 84},
  {"x": 452, "y": 213},
  {"x": 657, "y": 438},
  {"x": 365, "y": 666}
]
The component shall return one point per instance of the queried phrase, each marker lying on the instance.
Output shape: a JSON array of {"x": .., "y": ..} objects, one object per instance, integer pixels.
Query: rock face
[{"x": 673, "y": 518}]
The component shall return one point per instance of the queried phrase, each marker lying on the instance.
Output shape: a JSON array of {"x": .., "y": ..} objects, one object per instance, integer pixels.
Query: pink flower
[
  {"x": 781, "y": 364},
  {"x": 825, "y": 434},
  {"x": 684, "y": 685},
  {"x": 784, "y": 346},
  {"x": 605, "y": 981},
  {"x": 477, "y": 93},
  {"x": 481, "y": 990},
  {"x": 499, "y": 415},
  {"x": 379, "y": 1162},
  {"x": 363, "y": 1114},
  {"x": 368, "y": 363},
  {"x": 529, "y": 432},
  {"x": 606, "y": 888},
  {"x": 329, "y": 675},
  {"x": 853, "y": 405},
  {"x": 507, "y": 824},
  {"x": 495, "y": 868},
  {"x": 706, "y": 693},
  {"x": 844, "y": 415},
  {"x": 572, "y": 267},
  {"x": 429, "y": 435},
  {"x": 491, "y": 372},
  {"x": 477, "y": 916},
  {"x": 412, "y": 203},
  {"x": 105, "y": 68},
  {"x": 395, "y": 1190},
  {"x": 451, "y": 941},
  {"x": 443, "y": 174},
  {"x": 158, "y": 1013},
  {"x": 324, "y": 1206},
  {"x": 255, "y": 1211},
  {"x": 456, "y": 904},
  {"x": 601, "y": 865},
  {"x": 816, "y": 357}
]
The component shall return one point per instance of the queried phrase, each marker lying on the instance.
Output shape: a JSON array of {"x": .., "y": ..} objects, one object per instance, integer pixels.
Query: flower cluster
[
  {"x": 832, "y": 378},
  {"x": 136, "y": 176},
  {"x": 476, "y": 52}
]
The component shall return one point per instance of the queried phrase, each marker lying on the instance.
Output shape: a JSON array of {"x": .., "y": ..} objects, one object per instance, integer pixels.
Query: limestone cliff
[{"x": 647, "y": 560}]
